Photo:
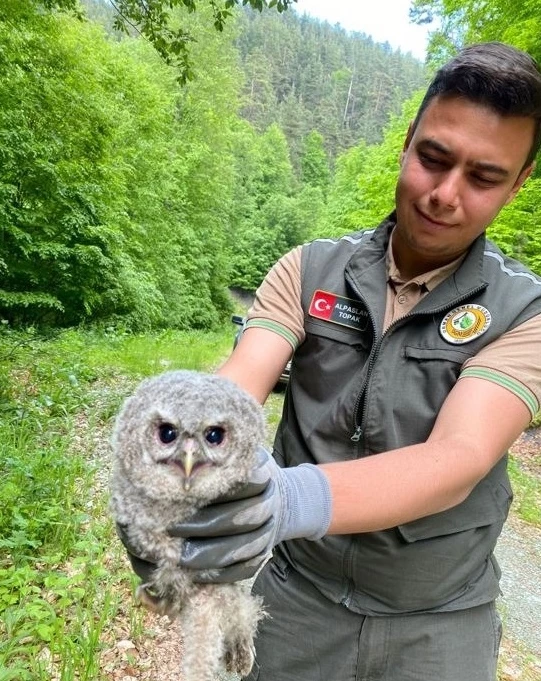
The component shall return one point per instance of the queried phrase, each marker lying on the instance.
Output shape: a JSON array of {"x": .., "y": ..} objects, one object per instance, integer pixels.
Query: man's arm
[
  {"x": 476, "y": 425},
  {"x": 257, "y": 362}
]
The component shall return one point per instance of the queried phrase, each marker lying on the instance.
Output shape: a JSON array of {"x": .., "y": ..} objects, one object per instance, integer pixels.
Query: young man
[{"x": 415, "y": 366}]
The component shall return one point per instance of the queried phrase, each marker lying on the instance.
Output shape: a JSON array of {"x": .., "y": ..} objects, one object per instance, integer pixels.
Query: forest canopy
[
  {"x": 130, "y": 197},
  {"x": 157, "y": 22}
]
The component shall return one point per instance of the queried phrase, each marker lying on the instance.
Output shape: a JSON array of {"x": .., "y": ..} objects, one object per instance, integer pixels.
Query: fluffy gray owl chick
[{"x": 180, "y": 441}]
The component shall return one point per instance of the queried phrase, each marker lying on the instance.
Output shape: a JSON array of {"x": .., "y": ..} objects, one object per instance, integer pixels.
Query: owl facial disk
[{"x": 189, "y": 453}]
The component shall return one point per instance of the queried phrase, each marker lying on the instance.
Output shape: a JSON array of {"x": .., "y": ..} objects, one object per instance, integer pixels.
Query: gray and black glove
[
  {"x": 142, "y": 568},
  {"x": 234, "y": 536}
]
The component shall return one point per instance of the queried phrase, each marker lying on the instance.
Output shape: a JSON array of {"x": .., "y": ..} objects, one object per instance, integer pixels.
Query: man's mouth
[{"x": 432, "y": 220}]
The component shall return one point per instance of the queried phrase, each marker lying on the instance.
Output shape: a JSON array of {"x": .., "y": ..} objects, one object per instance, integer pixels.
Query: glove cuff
[{"x": 307, "y": 503}]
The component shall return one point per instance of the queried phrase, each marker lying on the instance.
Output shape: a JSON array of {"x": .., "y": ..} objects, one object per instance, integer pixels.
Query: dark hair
[{"x": 499, "y": 76}]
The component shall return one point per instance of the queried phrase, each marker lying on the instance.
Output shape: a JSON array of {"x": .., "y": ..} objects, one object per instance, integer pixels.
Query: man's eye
[
  {"x": 430, "y": 161},
  {"x": 167, "y": 433},
  {"x": 215, "y": 435},
  {"x": 484, "y": 181}
]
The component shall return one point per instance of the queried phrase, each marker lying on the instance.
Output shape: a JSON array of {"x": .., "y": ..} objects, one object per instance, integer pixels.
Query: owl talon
[
  {"x": 150, "y": 600},
  {"x": 239, "y": 658}
]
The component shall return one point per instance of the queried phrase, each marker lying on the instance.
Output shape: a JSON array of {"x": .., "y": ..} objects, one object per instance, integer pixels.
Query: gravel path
[{"x": 519, "y": 554}]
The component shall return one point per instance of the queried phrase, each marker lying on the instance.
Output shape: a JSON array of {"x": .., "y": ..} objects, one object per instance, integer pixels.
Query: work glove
[
  {"x": 142, "y": 568},
  {"x": 230, "y": 539}
]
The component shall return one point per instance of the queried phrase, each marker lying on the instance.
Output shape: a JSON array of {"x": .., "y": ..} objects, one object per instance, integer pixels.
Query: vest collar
[{"x": 366, "y": 273}]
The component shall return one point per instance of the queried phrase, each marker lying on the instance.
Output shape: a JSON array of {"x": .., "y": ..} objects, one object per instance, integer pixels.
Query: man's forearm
[
  {"x": 477, "y": 424},
  {"x": 388, "y": 489}
]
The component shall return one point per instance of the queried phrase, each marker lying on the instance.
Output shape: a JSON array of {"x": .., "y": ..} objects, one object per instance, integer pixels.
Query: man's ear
[
  {"x": 521, "y": 179},
  {"x": 407, "y": 141}
]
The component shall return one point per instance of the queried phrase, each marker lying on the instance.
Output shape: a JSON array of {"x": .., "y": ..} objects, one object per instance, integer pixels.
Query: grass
[
  {"x": 527, "y": 493},
  {"x": 143, "y": 355},
  {"x": 63, "y": 575},
  {"x": 516, "y": 663},
  {"x": 273, "y": 413}
]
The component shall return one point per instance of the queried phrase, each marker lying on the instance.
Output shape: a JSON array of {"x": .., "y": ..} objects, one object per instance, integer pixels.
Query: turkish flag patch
[
  {"x": 322, "y": 305},
  {"x": 338, "y": 310}
]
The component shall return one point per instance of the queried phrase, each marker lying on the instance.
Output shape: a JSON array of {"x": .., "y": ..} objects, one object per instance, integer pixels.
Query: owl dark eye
[
  {"x": 215, "y": 435},
  {"x": 167, "y": 433}
]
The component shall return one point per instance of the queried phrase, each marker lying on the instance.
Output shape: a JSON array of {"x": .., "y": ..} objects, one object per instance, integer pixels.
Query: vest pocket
[
  {"x": 486, "y": 505},
  {"x": 436, "y": 354},
  {"x": 326, "y": 367},
  {"x": 338, "y": 333}
]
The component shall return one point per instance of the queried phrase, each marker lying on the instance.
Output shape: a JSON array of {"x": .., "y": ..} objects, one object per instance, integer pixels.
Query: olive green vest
[{"x": 357, "y": 392}]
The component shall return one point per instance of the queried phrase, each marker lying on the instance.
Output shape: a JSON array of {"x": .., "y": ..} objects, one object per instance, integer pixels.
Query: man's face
[{"x": 459, "y": 167}]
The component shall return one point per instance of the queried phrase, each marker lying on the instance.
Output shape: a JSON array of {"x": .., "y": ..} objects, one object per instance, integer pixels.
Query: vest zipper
[{"x": 358, "y": 432}]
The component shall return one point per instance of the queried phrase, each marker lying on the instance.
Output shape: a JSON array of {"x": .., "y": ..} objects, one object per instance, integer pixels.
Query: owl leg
[
  {"x": 202, "y": 634},
  {"x": 147, "y": 599},
  {"x": 154, "y": 602},
  {"x": 167, "y": 591},
  {"x": 239, "y": 657},
  {"x": 245, "y": 613}
]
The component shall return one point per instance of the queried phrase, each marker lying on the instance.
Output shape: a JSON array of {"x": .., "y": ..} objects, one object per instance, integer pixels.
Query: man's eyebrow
[
  {"x": 434, "y": 146},
  {"x": 490, "y": 168},
  {"x": 484, "y": 166}
]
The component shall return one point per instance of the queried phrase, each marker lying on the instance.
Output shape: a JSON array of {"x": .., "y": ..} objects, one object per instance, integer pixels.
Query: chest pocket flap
[
  {"x": 437, "y": 354},
  {"x": 339, "y": 333},
  {"x": 486, "y": 505}
]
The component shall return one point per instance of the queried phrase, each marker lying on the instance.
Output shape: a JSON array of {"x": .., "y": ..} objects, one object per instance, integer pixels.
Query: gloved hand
[
  {"x": 142, "y": 568},
  {"x": 234, "y": 536}
]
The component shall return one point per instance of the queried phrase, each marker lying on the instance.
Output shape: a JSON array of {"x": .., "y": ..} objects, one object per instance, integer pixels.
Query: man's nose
[{"x": 446, "y": 192}]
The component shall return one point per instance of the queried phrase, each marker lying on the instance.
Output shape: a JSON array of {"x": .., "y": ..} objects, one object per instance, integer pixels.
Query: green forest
[
  {"x": 137, "y": 188},
  {"x": 129, "y": 198}
]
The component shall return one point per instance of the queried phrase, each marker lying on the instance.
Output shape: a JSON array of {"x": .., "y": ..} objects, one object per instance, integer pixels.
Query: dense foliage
[
  {"x": 114, "y": 183},
  {"x": 308, "y": 75},
  {"x": 157, "y": 21},
  {"x": 128, "y": 199}
]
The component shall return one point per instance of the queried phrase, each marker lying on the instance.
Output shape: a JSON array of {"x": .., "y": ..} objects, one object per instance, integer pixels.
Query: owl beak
[{"x": 188, "y": 461}]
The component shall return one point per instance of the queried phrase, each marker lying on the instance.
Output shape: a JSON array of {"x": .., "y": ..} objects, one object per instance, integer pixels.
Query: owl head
[{"x": 188, "y": 434}]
